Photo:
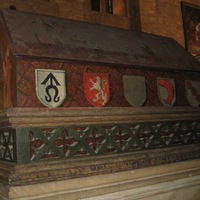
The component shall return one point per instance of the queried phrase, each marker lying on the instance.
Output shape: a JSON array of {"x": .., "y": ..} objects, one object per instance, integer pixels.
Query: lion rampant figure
[{"x": 100, "y": 86}]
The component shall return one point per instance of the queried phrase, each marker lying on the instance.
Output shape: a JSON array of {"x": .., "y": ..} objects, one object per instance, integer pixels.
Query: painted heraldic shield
[
  {"x": 193, "y": 92},
  {"x": 97, "y": 88},
  {"x": 50, "y": 87},
  {"x": 134, "y": 90},
  {"x": 166, "y": 91}
]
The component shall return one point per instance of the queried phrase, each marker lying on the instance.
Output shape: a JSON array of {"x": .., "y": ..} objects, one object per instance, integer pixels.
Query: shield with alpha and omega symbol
[
  {"x": 50, "y": 87},
  {"x": 134, "y": 89},
  {"x": 166, "y": 91},
  {"x": 97, "y": 88},
  {"x": 193, "y": 92}
]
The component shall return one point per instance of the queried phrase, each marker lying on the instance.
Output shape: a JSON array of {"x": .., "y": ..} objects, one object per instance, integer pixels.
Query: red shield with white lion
[{"x": 97, "y": 88}]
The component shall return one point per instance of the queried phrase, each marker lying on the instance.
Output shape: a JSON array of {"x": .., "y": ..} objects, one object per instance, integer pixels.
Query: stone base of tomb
[
  {"x": 97, "y": 153},
  {"x": 180, "y": 181}
]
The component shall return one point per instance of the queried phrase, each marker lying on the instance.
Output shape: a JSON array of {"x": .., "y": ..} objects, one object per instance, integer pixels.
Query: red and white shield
[
  {"x": 97, "y": 88},
  {"x": 166, "y": 91},
  {"x": 193, "y": 92}
]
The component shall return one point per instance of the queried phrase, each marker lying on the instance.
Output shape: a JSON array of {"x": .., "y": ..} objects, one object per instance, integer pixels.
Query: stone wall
[
  {"x": 164, "y": 17},
  {"x": 76, "y": 10},
  {"x": 160, "y": 17}
]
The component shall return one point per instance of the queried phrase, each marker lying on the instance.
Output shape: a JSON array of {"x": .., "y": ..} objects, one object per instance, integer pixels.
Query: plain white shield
[
  {"x": 134, "y": 90},
  {"x": 50, "y": 87}
]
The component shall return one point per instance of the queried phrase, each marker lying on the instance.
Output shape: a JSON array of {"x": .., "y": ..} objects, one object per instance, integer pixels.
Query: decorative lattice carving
[
  {"x": 101, "y": 140},
  {"x": 7, "y": 145}
]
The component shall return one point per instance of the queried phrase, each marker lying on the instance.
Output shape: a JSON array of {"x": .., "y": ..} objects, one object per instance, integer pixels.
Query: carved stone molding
[
  {"x": 101, "y": 141},
  {"x": 55, "y": 170},
  {"x": 44, "y": 117}
]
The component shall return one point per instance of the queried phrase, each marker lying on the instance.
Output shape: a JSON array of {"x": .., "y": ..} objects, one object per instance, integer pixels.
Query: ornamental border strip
[
  {"x": 104, "y": 140},
  {"x": 25, "y": 145}
]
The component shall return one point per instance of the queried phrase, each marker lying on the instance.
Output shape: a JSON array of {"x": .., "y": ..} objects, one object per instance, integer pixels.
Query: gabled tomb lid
[{"x": 54, "y": 38}]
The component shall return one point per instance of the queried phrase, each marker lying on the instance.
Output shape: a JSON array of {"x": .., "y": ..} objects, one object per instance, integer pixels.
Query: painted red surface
[{"x": 25, "y": 83}]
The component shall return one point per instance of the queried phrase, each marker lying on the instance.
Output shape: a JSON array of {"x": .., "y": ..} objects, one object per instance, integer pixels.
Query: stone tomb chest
[
  {"x": 84, "y": 51},
  {"x": 105, "y": 98}
]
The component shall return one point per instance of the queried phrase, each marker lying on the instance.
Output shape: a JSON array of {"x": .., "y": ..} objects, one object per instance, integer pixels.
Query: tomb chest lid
[{"x": 54, "y": 38}]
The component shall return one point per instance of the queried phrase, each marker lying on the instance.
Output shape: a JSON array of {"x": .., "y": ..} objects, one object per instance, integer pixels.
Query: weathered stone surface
[{"x": 53, "y": 38}]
